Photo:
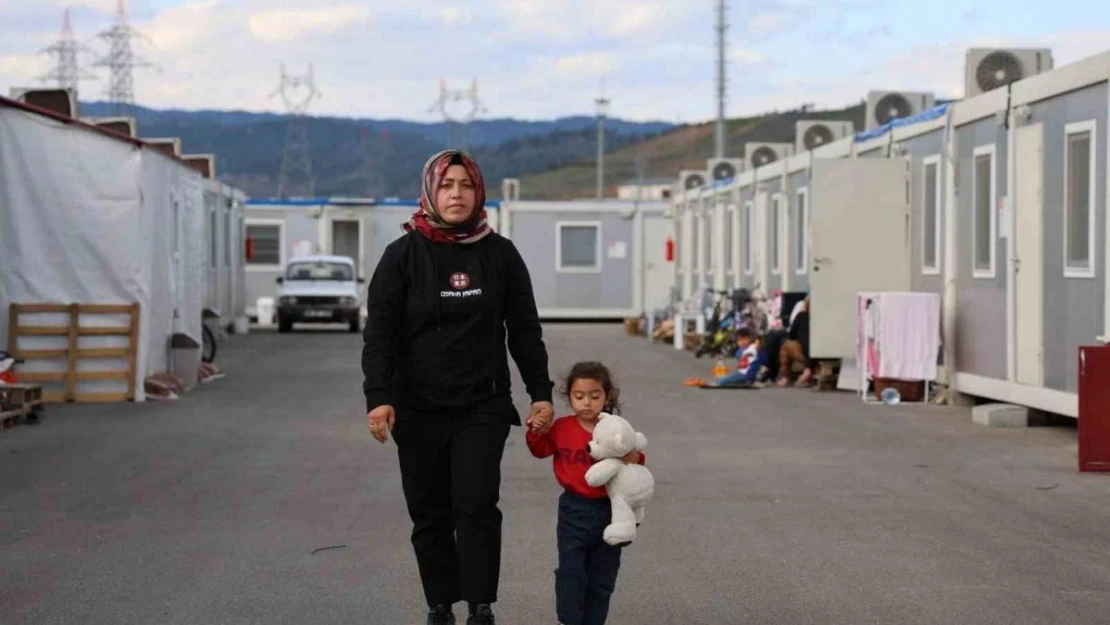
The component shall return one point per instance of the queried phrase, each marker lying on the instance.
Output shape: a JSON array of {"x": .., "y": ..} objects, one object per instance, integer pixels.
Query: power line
[
  {"x": 121, "y": 61},
  {"x": 458, "y": 129},
  {"x": 297, "y": 92},
  {"x": 66, "y": 72}
]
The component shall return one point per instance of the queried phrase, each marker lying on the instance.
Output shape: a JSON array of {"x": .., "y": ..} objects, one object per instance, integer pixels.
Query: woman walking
[{"x": 443, "y": 302}]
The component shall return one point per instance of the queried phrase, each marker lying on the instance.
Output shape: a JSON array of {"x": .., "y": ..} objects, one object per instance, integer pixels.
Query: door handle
[{"x": 821, "y": 259}]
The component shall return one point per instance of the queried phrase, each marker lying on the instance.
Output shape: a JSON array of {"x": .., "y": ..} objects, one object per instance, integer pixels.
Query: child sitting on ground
[
  {"x": 588, "y": 566},
  {"x": 749, "y": 360}
]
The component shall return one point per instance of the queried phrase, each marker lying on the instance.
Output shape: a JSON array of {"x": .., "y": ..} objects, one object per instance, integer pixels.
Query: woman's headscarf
[{"x": 427, "y": 219}]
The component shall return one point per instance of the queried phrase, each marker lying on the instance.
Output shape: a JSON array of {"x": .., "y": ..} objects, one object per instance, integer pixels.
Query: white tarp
[{"x": 88, "y": 218}]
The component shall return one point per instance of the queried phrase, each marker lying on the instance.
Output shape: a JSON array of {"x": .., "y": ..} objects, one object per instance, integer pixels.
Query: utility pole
[
  {"x": 462, "y": 142},
  {"x": 121, "y": 61},
  {"x": 602, "y": 108},
  {"x": 67, "y": 71},
  {"x": 297, "y": 92},
  {"x": 719, "y": 131}
]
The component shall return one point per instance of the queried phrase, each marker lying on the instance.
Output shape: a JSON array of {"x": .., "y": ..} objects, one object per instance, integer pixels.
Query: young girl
[{"x": 588, "y": 566}]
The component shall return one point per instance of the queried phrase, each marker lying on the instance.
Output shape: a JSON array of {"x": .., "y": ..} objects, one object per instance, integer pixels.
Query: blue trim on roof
[
  {"x": 327, "y": 201},
  {"x": 924, "y": 116}
]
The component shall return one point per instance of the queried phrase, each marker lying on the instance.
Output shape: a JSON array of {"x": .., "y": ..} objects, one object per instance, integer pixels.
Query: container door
[{"x": 860, "y": 241}]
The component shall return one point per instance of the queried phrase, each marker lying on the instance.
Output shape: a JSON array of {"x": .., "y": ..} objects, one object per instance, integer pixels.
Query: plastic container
[
  {"x": 185, "y": 359},
  {"x": 265, "y": 306}
]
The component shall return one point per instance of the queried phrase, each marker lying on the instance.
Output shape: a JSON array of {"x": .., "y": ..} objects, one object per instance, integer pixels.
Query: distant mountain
[
  {"x": 662, "y": 156},
  {"x": 367, "y": 157}
]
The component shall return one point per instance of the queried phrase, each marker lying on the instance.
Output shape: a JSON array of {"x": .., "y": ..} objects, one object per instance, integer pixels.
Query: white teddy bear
[{"x": 630, "y": 486}]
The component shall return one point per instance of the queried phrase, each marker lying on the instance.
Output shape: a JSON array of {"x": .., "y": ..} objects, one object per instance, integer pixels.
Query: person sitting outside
[
  {"x": 794, "y": 353},
  {"x": 749, "y": 360}
]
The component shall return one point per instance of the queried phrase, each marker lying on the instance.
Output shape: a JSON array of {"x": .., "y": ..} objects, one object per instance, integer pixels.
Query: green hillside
[{"x": 664, "y": 155}]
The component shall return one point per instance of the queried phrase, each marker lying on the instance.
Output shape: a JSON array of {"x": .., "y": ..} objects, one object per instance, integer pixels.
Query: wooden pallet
[
  {"x": 27, "y": 399},
  {"x": 74, "y": 353}
]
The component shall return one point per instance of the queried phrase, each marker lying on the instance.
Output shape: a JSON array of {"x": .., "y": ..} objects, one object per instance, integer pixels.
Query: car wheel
[
  {"x": 354, "y": 325},
  {"x": 284, "y": 325}
]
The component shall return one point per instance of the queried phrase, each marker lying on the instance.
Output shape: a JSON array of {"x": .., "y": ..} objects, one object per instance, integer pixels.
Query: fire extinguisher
[
  {"x": 249, "y": 248},
  {"x": 670, "y": 250}
]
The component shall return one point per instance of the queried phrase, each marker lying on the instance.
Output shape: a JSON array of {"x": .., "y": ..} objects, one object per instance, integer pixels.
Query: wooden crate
[{"x": 74, "y": 352}]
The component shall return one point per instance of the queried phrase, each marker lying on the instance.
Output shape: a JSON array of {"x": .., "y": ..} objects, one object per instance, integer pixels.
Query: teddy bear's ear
[{"x": 602, "y": 415}]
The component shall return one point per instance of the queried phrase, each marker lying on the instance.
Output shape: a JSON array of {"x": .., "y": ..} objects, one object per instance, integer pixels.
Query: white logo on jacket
[{"x": 470, "y": 293}]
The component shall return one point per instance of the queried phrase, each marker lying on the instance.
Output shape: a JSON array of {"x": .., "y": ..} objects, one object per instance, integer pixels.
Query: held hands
[
  {"x": 541, "y": 417},
  {"x": 381, "y": 420}
]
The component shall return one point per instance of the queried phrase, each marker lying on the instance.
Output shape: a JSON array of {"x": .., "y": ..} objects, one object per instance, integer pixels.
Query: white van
[{"x": 319, "y": 289}]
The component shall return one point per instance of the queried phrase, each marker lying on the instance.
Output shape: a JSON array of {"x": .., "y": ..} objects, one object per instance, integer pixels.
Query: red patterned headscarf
[{"x": 427, "y": 219}]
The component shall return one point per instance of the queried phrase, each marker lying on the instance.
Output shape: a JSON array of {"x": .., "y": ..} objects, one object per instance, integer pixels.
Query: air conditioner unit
[
  {"x": 760, "y": 154},
  {"x": 689, "y": 180},
  {"x": 123, "y": 125},
  {"x": 204, "y": 163},
  {"x": 169, "y": 147},
  {"x": 62, "y": 101},
  {"x": 812, "y": 134},
  {"x": 725, "y": 168},
  {"x": 886, "y": 106},
  {"x": 988, "y": 69}
]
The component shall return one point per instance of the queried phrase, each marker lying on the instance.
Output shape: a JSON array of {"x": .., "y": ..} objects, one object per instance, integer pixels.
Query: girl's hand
[{"x": 633, "y": 457}]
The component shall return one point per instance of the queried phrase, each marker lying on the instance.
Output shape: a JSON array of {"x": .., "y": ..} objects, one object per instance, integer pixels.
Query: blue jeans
[
  {"x": 588, "y": 566},
  {"x": 734, "y": 378}
]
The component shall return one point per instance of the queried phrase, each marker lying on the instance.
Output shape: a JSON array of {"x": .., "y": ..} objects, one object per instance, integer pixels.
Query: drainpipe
[
  {"x": 1009, "y": 204},
  {"x": 950, "y": 292}
]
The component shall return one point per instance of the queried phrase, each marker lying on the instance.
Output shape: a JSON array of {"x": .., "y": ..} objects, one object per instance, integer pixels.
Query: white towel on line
[{"x": 909, "y": 335}]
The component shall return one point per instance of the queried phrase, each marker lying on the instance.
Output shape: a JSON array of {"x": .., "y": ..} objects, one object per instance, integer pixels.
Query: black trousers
[
  {"x": 588, "y": 566},
  {"x": 451, "y": 476}
]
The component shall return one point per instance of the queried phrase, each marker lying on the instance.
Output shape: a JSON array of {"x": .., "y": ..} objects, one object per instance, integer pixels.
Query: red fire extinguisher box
[{"x": 1094, "y": 408}]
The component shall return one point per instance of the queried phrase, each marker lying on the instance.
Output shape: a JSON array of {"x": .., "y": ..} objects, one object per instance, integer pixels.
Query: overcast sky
[{"x": 540, "y": 59}]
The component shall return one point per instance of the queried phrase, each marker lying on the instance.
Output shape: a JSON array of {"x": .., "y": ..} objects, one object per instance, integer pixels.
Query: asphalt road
[{"x": 772, "y": 506}]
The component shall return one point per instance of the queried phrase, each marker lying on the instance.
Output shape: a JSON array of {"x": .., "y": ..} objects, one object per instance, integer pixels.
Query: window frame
[
  {"x": 801, "y": 257},
  {"x": 257, "y": 221},
  {"x": 749, "y": 237},
  {"x": 1089, "y": 126},
  {"x": 936, "y": 268},
  {"x": 559, "y": 268},
  {"x": 732, "y": 230},
  {"x": 992, "y": 271}
]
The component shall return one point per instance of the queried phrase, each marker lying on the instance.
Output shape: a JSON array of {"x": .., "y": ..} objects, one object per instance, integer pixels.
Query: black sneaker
[
  {"x": 441, "y": 615},
  {"x": 481, "y": 615}
]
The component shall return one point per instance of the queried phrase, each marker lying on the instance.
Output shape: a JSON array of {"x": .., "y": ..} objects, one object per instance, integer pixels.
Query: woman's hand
[
  {"x": 541, "y": 417},
  {"x": 381, "y": 420},
  {"x": 633, "y": 457}
]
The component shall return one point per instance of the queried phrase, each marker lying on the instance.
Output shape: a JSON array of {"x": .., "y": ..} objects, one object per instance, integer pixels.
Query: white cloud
[
  {"x": 280, "y": 26},
  {"x": 586, "y": 64},
  {"x": 565, "y": 21}
]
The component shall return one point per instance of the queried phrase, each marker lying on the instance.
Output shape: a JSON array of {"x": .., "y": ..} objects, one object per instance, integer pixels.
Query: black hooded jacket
[{"x": 439, "y": 317}]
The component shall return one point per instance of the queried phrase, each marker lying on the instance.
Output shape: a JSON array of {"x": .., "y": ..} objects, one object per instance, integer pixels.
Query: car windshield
[{"x": 319, "y": 271}]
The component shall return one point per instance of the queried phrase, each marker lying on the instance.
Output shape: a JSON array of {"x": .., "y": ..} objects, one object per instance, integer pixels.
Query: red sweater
[{"x": 566, "y": 441}]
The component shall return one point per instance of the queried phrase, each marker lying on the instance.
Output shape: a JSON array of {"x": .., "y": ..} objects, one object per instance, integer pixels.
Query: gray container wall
[
  {"x": 223, "y": 250},
  {"x": 1073, "y": 307},
  {"x": 797, "y": 181},
  {"x": 704, "y": 221},
  {"x": 534, "y": 234},
  {"x": 298, "y": 227},
  {"x": 679, "y": 269},
  {"x": 981, "y": 307},
  {"x": 747, "y": 279},
  {"x": 771, "y": 188},
  {"x": 919, "y": 148}
]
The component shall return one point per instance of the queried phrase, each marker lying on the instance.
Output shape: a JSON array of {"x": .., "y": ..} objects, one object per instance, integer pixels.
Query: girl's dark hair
[{"x": 590, "y": 370}]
